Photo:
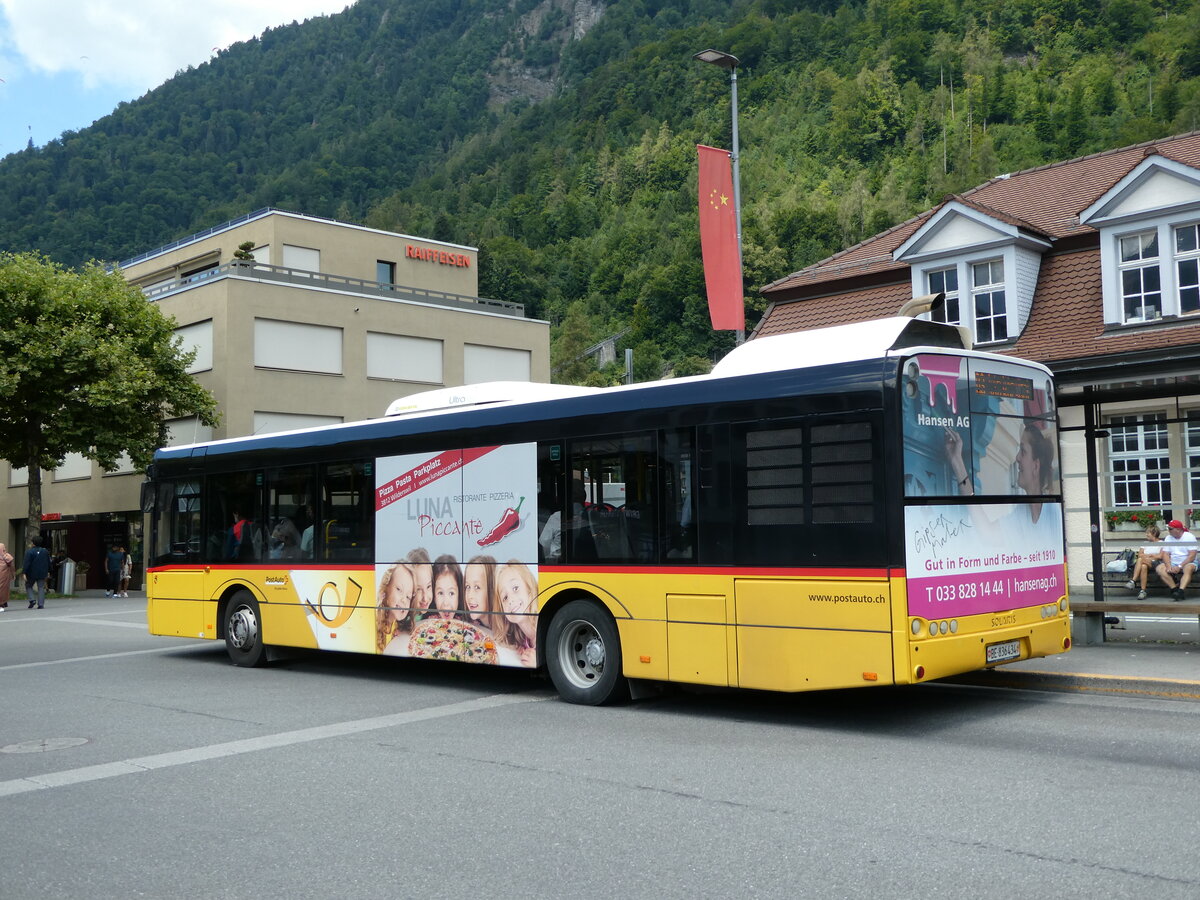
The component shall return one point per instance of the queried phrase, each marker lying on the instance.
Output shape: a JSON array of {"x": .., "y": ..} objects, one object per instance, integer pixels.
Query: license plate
[{"x": 1003, "y": 651}]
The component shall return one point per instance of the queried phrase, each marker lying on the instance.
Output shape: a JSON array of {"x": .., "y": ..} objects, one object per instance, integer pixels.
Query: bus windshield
[{"x": 981, "y": 427}]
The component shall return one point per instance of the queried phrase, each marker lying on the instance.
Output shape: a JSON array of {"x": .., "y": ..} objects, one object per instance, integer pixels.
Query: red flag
[{"x": 718, "y": 241}]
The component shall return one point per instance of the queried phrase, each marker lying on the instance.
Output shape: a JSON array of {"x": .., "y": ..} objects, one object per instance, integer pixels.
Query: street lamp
[{"x": 729, "y": 61}]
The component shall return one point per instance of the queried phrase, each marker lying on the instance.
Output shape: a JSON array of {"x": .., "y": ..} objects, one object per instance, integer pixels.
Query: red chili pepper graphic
[{"x": 507, "y": 525}]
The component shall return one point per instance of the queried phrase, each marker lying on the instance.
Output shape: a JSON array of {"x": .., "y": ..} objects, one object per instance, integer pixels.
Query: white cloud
[{"x": 138, "y": 44}]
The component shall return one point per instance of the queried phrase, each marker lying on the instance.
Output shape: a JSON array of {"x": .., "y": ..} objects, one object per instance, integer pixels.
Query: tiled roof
[
  {"x": 839, "y": 309},
  {"x": 1066, "y": 320},
  {"x": 1047, "y": 199}
]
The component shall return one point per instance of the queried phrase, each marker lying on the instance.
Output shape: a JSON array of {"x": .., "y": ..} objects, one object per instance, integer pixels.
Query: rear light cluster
[
  {"x": 1053, "y": 609},
  {"x": 949, "y": 626}
]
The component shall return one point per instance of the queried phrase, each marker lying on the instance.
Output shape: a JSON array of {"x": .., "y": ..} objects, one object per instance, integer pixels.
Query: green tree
[
  {"x": 569, "y": 361},
  {"x": 86, "y": 366}
]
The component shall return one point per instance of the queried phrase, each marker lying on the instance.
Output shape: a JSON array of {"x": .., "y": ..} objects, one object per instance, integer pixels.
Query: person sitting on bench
[
  {"x": 1178, "y": 558},
  {"x": 1149, "y": 556}
]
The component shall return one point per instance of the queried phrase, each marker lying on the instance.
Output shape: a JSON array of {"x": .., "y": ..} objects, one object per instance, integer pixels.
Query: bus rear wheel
[
  {"x": 243, "y": 631},
  {"x": 584, "y": 655}
]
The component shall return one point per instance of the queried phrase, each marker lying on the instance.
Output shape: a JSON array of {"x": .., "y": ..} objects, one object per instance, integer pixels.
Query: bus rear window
[{"x": 979, "y": 427}]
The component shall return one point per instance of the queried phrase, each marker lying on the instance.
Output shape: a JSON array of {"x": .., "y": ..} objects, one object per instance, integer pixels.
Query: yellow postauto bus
[{"x": 860, "y": 505}]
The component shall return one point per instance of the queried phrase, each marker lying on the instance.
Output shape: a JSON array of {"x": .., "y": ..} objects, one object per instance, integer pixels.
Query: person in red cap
[{"x": 1178, "y": 558}]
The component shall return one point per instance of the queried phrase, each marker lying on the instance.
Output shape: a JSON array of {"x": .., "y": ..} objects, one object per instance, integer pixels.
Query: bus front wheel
[
  {"x": 583, "y": 655},
  {"x": 243, "y": 631}
]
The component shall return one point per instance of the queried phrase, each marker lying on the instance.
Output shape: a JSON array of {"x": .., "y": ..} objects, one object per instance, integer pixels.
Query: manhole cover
[{"x": 43, "y": 745}]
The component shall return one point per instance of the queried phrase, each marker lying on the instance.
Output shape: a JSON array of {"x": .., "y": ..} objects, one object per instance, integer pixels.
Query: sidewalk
[{"x": 1165, "y": 670}]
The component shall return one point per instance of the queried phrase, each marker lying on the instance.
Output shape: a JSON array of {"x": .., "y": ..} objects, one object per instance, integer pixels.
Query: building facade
[
  {"x": 1091, "y": 266},
  {"x": 296, "y": 321}
]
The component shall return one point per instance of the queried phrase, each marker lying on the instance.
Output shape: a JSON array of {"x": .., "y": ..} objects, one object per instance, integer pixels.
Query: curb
[{"x": 1119, "y": 685}]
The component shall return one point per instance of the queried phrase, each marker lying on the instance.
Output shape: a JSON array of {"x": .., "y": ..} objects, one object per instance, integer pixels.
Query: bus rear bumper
[{"x": 943, "y": 656}]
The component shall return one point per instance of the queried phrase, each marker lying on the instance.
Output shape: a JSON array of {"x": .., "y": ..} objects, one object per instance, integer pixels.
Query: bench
[
  {"x": 1087, "y": 626},
  {"x": 1120, "y": 579}
]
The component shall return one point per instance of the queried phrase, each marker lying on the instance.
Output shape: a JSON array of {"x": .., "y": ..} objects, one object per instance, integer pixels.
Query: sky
[{"x": 66, "y": 63}]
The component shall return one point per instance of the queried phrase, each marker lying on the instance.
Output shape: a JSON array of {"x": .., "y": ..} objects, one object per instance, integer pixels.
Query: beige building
[{"x": 328, "y": 322}]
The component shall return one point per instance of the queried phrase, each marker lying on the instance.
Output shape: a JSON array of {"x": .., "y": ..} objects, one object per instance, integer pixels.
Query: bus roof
[
  {"x": 873, "y": 339},
  {"x": 836, "y": 349}
]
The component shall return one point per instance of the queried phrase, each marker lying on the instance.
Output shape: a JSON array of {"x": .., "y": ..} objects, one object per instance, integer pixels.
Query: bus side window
[
  {"x": 289, "y": 512},
  {"x": 233, "y": 511},
  {"x": 619, "y": 477},
  {"x": 347, "y": 512},
  {"x": 678, "y": 494},
  {"x": 811, "y": 491},
  {"x": 550, "y": 502},
  {"x": 178, "y": 531}
]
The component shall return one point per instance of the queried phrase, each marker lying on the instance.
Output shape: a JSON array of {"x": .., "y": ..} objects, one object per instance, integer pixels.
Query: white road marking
[
  {"x": 253, "y": 745},
  {"x": 75, "y": 659}
]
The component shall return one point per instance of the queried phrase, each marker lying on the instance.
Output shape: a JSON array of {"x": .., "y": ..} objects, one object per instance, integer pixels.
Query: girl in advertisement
[
  {"x": 394, "y": 613},
  {"x": 479, "y": 594},
  {"x": 447, "y": 588},
  {"x": 516, "y": 590},
  {"x": 422, "y": 572}
]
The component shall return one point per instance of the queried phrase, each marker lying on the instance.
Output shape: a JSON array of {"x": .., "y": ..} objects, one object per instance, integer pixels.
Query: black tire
[
  {"x": 243, "y": 631},
  {"x": 583, "y": 655}
]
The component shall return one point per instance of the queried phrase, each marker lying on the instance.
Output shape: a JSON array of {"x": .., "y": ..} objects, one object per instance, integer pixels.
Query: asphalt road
[{"x": 136, "y": 766}]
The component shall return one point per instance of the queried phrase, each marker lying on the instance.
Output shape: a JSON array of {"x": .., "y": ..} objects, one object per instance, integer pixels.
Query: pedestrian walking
[
  {"x": 113, "y": 561},
  {"x": 126, "y": 571},
  {"x": 36, "y": 568},
  {"x": 8, "y": 571}
]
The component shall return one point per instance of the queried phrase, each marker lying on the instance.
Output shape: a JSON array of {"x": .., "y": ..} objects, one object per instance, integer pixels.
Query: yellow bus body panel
[
  {"x": 175, "y": 607},
  {"x": 774, "y": 633},
  {"x": 799, "y": 634}
]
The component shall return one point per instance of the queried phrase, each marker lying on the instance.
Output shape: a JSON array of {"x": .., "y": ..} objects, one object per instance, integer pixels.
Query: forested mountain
[{"x": 559, "y": 136}]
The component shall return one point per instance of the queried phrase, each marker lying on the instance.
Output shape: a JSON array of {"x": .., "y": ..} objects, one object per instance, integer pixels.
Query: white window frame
[
  {"x": 1173, "y": 266},
  {"x": 1187, "y": 267},
  {"x": 1139, "y": 460},
  {"x": 965, "y": 268},
  {"x": 936, "y": 282},
  {"x": 1139, "y": 252},
  {"x": 996, "y": 294}
]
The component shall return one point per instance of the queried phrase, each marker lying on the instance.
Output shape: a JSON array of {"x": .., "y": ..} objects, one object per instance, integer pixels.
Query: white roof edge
[
  {"x": 818, "y": 347},
  {"x": 481, "y": 394}
]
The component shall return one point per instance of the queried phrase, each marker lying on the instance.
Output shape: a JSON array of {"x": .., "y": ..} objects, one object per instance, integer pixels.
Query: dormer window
[
  {"x": 1141, "y": 286},
  {"x": 1154, "y": 284},
  {"x": 945, "y": 281},
  {"x": 989, "y": 322},
  {"x": 986, "y": 263},
  {"x": 1187, "y": 267},
  {"x": 987, "y": 296},
  {"x": 1149, "y": 242}
]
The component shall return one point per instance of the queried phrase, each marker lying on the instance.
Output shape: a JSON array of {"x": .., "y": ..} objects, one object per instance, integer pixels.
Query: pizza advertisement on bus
[{"x": 456, "y": 551}]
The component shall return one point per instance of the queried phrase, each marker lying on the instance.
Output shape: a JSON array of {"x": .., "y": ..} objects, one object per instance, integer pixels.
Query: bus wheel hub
[
  {"x": 593, "y": 653},
  {"x": 243, "y": 628}
]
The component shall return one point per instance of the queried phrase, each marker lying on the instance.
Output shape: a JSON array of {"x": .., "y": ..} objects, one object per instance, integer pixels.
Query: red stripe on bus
[
  {"x": 265, "y": 567},
  {"x": 736, "y": 571}
]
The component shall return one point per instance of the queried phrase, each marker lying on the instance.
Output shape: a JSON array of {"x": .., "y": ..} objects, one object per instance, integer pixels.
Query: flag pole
[
  {"x": 737, "y": 180},
  {"x": 730, "y": 62}
]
